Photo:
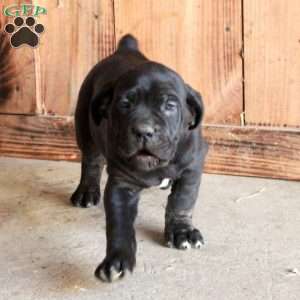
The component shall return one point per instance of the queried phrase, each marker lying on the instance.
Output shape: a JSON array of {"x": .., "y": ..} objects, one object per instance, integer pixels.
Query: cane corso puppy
[{"x": 142, "y": 120}]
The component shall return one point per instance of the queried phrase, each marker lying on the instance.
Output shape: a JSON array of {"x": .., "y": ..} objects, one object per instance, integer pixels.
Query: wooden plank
[
  {"x": 233, "y": 150},
  {"x": 78, "y": 34},
  {"x": 272, "y": 64},
  {"x": 201, "y": 39},
  {"x": 17, "y": 70},
  {"x": 38, "y": 137},
  {"x": 253, "y": 152}
]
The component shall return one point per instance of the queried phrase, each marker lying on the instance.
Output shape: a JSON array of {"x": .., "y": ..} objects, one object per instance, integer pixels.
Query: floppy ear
[
  {"x": 195, "y": 105},
  {"x": 100, "y": 102}
]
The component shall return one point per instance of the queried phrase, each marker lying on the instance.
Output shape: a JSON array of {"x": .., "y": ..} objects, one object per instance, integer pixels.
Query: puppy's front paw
[
  {"x": 183, "y": 237},
  {"x": 86, "y": 196},
  {"x": 115, "y": 266}
]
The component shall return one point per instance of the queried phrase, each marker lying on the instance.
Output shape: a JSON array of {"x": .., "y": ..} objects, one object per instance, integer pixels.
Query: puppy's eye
[
  {"x": 125, "y": 103},
  {"x": 128, "y": 100},
  {"x": 170, "y": 105},
  {"x": 168, "y": 102},
  {"x": 131, "y": 97}
]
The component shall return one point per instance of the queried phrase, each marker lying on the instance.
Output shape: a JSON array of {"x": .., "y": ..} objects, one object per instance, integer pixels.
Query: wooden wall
[
  {"x": 202, "y": 40},
  {"x": 272, "y": 62},
  {"x": 243, "y": 55}
]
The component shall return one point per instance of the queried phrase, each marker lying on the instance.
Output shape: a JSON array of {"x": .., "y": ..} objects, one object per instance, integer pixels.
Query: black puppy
[{"x": 139, "y": 117}]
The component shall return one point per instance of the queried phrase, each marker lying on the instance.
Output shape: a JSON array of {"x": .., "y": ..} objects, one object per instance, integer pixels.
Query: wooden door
[{"x": 242, "y": 55}]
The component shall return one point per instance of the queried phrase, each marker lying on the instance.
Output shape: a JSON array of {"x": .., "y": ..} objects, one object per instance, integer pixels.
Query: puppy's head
[{"x": 149, "y": 109}]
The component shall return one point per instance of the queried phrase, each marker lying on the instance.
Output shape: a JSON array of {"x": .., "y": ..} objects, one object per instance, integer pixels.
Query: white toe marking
[
  {"x": 198, "y": 245},
  {"x": 115, "y": 274},
  {"x": 169, "y": 244},
  {"x": 185, "y": 245},
  {"x": 103, "y": 275}
]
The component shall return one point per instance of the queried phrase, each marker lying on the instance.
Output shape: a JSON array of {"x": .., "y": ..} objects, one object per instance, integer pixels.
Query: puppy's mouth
[
  {"x": 144, "y": 153},
  {"x": 145, "y": 159}
]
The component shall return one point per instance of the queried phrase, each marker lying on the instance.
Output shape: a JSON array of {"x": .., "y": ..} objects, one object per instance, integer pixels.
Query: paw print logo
[{"x": 24, "y": 32}]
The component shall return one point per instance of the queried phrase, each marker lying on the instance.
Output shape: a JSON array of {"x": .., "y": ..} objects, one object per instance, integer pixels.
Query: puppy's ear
[
  {"x": 195, "y": 105},
  {"x": 100, "y": 103}
]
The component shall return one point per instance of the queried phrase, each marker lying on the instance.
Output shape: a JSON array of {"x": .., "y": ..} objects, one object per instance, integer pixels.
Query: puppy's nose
[{"x": 143, "y": 131}]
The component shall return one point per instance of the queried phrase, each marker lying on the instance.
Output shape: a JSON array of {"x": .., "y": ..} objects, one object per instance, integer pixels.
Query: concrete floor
[{"x": 49, "y": 249}]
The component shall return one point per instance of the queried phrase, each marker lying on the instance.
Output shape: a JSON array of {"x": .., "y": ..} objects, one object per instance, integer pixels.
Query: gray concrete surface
[{"x": 49, "y": 249}]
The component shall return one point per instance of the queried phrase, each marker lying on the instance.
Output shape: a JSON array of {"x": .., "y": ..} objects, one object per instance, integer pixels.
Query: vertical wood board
[
  {"x": 17, "y": 71},
  {"x": 201, "y": 40},
  {"x": 78, "y": 34},
  {"x": 272, "y": 62}
]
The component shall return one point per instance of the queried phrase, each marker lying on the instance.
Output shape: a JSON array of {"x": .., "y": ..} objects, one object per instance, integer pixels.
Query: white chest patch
[{"x": 165, "y": 183}]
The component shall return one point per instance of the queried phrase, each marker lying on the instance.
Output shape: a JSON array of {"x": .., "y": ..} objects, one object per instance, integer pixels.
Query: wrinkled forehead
[{"x": 152, "y": 79}]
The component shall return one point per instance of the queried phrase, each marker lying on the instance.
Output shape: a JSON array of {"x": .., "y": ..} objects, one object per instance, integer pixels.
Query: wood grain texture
[
  {"x": 253, "y": 152},
  {"x": 8, "y": 70},
  {"x": 38, "y": 137},
  {"x": 272, "y": 62},
  {"x": 233, "y": 150},
  {"x": 201, "y": 39},
  {"x": 18, "y": 71},
  {"x": 78, "y": 34}
]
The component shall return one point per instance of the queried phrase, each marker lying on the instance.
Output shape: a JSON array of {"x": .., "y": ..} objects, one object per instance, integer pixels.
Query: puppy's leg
[
  {"x": 121, "y": 209},
  {"x": 179, "y": 230},
  {"x": 88, "y": 190}
]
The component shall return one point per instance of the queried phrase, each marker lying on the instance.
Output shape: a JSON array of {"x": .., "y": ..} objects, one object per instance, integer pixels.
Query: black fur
[
  {"x": 128, "y": 42},
  {"x": 139, "y": 117}
]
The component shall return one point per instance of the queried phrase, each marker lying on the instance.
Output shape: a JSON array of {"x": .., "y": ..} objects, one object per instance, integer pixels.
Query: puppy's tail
[{"x": 128, "y": 42}]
